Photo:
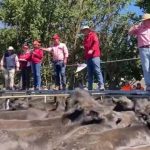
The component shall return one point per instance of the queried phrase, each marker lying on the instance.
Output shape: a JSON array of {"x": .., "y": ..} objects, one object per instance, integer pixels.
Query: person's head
[
  {"x": 10, "y": 49},
  {"x": 36, "y": 44},
  {"x": 146, "y": 19},
  {"x": 56, "y": 39},
  {"x": 127, "y": 83},
  {"x": 25, "y": 47},
  {"x": 85, "y": 30},
  {"x": 138, "y": 86}
]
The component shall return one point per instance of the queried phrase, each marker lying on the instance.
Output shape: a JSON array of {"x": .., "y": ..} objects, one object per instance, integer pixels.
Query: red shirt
[
  {"x": 37, "y": 56},
  {"x": 91, "y": 42},
  {"x": 24, "y": 59}
]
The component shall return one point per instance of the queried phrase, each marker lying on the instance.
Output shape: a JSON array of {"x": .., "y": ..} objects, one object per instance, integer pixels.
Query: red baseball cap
[{"x": 56, "y": 36}]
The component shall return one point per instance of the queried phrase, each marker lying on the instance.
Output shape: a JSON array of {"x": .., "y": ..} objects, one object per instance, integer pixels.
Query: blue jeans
[
  {"x": 36, "y": 68},
  {"x": 60, "y": 77},
  {"x": 94, "y": 68},
  {"x": 145, "y": 60}
]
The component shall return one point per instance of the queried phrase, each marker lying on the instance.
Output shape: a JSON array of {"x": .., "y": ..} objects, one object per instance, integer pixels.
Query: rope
[
  {"x": 111, "y": 61},
  {"x": 120, "y": 60}
]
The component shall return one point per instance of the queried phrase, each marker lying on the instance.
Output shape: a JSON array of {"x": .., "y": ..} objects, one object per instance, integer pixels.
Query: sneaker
[{"x": 101, "y": 88}]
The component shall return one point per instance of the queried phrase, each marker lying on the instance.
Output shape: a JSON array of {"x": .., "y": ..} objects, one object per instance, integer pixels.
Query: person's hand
[
  {"x": 90, "y": 51},
  {"x": 17, "y": 69},
  {"x": 65, "y": 61},
  {"x": 1, "y": 68}
]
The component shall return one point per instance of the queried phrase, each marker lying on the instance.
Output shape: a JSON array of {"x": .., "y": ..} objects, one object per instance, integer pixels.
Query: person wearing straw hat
[
  {"x": 9, "y": 63},
  {"x": 59, "y": 52},
  {"x": 92, "y": 55},
  {"x": 142, "y": 33}
]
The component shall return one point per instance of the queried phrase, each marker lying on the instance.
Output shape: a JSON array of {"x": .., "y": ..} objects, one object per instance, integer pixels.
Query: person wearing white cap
[
  {"x": 9, "y": 63},
  {"x": 142, "y": 33},
  {"x": 92, "y": 53}
]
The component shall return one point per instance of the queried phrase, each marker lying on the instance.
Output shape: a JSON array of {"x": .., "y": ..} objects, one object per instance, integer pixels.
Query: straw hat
[
  {"x": 10, "y": 48},
  {"x": 146, "y": 17}
]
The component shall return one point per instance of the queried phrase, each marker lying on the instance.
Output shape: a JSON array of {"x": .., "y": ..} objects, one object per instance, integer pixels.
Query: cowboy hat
[
  {"x": 146, "y": 17},
  {"x": 10, "y": 48}
]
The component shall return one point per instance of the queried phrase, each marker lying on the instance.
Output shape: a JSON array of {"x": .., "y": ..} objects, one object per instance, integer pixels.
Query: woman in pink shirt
[
  {"x": 60, "y": 55},
  {"x": 36, "y": 60},
  {"x": 142, "y": 33}
]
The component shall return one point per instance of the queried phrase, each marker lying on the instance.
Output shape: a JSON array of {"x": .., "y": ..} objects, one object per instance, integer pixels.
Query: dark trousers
[
  {"x": 60, "y": 77},
  {"x": 25, "y": 74}
]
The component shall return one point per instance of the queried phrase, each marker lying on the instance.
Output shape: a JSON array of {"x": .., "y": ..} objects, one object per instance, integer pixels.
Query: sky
[{"x": 130, "y": 8}]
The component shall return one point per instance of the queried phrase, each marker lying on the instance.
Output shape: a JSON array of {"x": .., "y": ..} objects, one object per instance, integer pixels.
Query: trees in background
[{"x": 27, "y": 20}]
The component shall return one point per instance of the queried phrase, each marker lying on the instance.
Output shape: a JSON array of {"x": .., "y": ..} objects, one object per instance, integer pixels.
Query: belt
[{"x": 145, "y": 46}]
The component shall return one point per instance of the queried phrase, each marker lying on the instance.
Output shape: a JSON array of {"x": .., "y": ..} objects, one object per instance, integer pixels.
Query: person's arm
[
  {"x": 2, "y": 63},
  {"x": 66, "y": 54},
  {"x": 39, "y": 54},
  {"x": 17, "y": 63},
  {"x": 95, "y": 43},
  {"x": 134, "y": 30},
  {"x": 49, "y": 49}
]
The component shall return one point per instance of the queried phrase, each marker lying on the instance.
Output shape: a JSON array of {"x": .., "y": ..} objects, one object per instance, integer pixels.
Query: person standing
[
  {"x": 9, "y": 64},
  {"x": 142, "y": 32},
  {"x": 60, "y": 56},
  {"x": 25, "y": 67},
  {"x": 36, "y": 60},
  {"x": 92, "y": 55}
]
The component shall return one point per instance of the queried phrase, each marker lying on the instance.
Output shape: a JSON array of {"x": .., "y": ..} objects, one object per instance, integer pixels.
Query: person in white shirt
[{"x": 9, "y": 64}]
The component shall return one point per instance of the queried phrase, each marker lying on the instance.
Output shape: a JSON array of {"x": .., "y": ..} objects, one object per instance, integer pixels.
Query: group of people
[
  {"x": 128, "y": 87},
  {"x": 31, "y": 60}
]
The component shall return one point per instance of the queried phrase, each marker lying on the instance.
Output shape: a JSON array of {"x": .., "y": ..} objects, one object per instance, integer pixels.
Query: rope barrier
[{"x": 120, "y": 60}]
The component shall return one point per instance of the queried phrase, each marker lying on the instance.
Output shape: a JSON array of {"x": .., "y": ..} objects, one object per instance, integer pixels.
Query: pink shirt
[
  {"x": 59, "y": 52},
  {"x": 142, "y": 33}
]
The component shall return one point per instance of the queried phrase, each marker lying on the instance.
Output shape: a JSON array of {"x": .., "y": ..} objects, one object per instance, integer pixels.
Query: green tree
[{"x": 40, "y": 19}]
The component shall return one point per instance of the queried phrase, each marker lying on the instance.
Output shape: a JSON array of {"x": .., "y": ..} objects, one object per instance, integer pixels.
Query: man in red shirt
[{"x": 92, "y": 55}]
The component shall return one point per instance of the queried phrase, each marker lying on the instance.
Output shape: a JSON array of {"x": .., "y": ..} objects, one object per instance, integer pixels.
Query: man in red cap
[
  {"x": 60, "y": 55},
  {"x": 92, "y": 55},
  {"x": 25, "y": 67}
]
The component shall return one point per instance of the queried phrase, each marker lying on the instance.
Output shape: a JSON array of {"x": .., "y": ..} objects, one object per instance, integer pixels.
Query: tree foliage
[{"x": 32, "y": 19}]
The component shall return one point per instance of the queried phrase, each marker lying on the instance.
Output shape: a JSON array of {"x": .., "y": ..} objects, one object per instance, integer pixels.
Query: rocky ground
[{"x": 79, "y": 122}]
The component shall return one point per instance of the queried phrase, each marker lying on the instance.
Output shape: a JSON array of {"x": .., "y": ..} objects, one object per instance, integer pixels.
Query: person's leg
[
  {"x": 34, "y": 74},
  {"x": 145, "y": 61},
  {"x": 11, "y": 77},
  {"x": 6, "y": 78},
  {"x": 28, "y": 73},
  {"x": 63, "y": 75},
  {"x": 98, "y": 72},
  {"x": 38, "y": 75},
  {"x": 90, "y": 74},
  {"x": 57, "y": 70},
  {"x": 23, "y": 75}
]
